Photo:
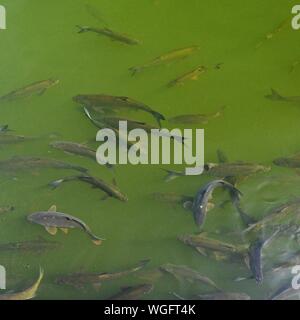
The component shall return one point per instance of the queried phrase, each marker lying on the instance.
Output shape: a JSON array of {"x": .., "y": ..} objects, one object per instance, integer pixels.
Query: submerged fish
[
  {"x": 79, "y": 280},
  {"x": 31, "y": 163},
  {"x": 109, "y": 189},
  {"x": 224, "y": 296},
  {"x": 100, "y": 102},
  {"x": 77, "y": 149},
  {"x": 6, "y": 138},
  {"x": 201, "y": 200},
  {"x": 6, "y": 209},
  {"x": 172, "y": 197},
  {"x": 275, "y": 96},
  {"x": 133, "y": 293},
  {"x": 166, "y": 58},
  {"x": 110, "y": 34},
  {"x": 26, "y": 294},
  {"x": 52, "y": 220},
  {"x": 4, "y": 128},
  {"x": 35, "y": 88},
  {"x": 289, "y": 162},
  {"x": 186, "y": 273},
  {"x": 191, "y": 75},
  {"x": 196, "y": 118},
  {"x": 38, "y": 246}
]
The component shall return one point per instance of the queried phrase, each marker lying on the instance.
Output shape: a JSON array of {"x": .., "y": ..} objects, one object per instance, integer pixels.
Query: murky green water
[{"x": 41, "y": 42}]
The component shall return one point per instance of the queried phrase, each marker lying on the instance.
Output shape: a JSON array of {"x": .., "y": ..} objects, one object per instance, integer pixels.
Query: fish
[
  {"x": 216, "y": 249},
  {"x": 100, "y": 102},
  {"x": 275, "y": 96},
  {"x": 25, "y": 294},
  {"x": 191, "y": 75},
  {"x": 35, "y": 88},
  {"x": 273, "y": 33},
  {"x": 6, "y": 209},
  {"x": 288, "y": 162},
  {"x": 4, "y": 128},
  {"x": 172, "y": 197},
  {"x": 223, "y": 296},
  {"x": 6, "y": 138},
  {"x": 196, "y": 118},
  {"x": 39, "y": 245},
  {"x": 132, "y": 293},
  {"x": 79, "y": 280},
  {"x": 278, "y": 217},
  {"x": 52, "y": 220},
  {"x": 77, "y": 149},
  {"x": 166, "y": 58},
  {"x": 110, "y": 189},
  {"x": 18, "y": 163},
  {"x": 113, "y": 35},
  {"x": 186, "y": 273},
  {"x": 203, "y": 196}
]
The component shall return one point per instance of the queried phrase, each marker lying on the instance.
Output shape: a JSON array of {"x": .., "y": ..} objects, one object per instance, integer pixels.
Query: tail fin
[
  {"x": 171, "y": 175},
  {"x": 275, "y": 96},
  {"x": 82, "y": 29},
  {"x": 55, "y": 184},
  {"x": 135, "y": 70}
]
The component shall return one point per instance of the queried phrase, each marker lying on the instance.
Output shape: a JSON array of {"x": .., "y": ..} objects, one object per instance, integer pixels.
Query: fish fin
[
  {"x": 51, "y": 230},
  {"x": 97, "y": 242},
  {"x": 188, "y": 205},
  {"x": 52, "y": 208},
  {"x": 274, "y": 96},
  {"x": 82, "y": 29},
  {"x": 195, "y": 77},
  {"x": 65, "y": 230},
  {"x": 201, "y": 251}
]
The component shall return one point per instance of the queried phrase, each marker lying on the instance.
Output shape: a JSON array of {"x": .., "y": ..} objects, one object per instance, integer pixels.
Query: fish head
[{"x": 37, "y": 217}]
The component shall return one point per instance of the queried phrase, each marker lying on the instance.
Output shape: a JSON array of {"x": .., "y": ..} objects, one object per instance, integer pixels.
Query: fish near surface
[
  {"x": 35, "y": 88},
  {"x": 100, "y": 102},
  {"x": 275, "y": 96},
  {"x": 52, "y": 220},
  {"x": 113, "y": 35},
  {"x": 166, "y": 58},
  {"x": 191, "y": 75},
  {"x": 288, "y": 162},
  {"x": 133, "y": 293},
  {"x": 79, "y": 280},
  {"x": 203, "y": 196},
  {"x": 26, "y": 294}
]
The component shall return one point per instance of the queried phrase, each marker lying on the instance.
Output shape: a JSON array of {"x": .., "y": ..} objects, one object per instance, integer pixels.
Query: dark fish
[
  {"x": 113, "y": 35},
  {"x": 289, "y": 162},
  {"x": 79, "y": 280},
  {"x": 203, "y": 196},
  {"x": 132, "y": 293},
  {"x": 275, "y": 96},
  {"x": 166, "y": 58},
  {"x": 38, "y": 246},
  {"x": 109, "y": 189},
  {"x": 30, "y": 163},
  {"x": 100, "y": 102},
  {"x": 35, "y": 88},
  {"x": 52, "y": 220}
]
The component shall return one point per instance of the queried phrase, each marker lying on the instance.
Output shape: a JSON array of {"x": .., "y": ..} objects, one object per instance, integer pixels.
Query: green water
[{"x": 41, "y": 42}]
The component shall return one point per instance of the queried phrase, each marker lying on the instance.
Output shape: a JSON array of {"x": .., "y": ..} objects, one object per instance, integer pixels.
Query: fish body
[
  {"x": 31, "y": 163},
  {"x": 166, "y": 58},
  {"x": 195, "y": 118},
  {"x": 116, "y": 36},
  {"x": 6, "y": 138},
  {"x": 201, "y": 200},
  {"x": 186, "y": 273},
  {"x": 35, "y": 88},
  {"x": 99, "y": 102},
  {"x": 224, "y": 296},
  {"x": 172, "y": 197},
  {"x": 74, "y": 148},
  {"x": 109, "y": 189},
  {"x": 288, "y": 162},
  {"x": 26, "y": 294},
  {"x": 191, "y": 75},
  {"x": 275, "y": 96},
  {"x": 79, "y": 280},
  {"x": 39, "y": 245},
  {"x": 133, "y": 293},
  {"x": 52, "y": 220}
]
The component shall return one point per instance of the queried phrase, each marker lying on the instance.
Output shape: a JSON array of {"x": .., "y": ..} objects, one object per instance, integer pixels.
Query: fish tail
[
  {"x": 171, "y": 175},
  {"x": 274, "y": 96},
  {"x": 82, "y": 29},
  {"x": 96, "y": 240},
  {"x": 55, "y": 184},
  {"x": 159, "y": 117},
  {"x": 135, "y": 70}
]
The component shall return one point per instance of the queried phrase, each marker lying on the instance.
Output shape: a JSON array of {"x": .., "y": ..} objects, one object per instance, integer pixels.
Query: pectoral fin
[
  {"x": 51, "y": 230},
  {"x": 97, "y": 242},
  {"x": 65, "y": 230}
]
